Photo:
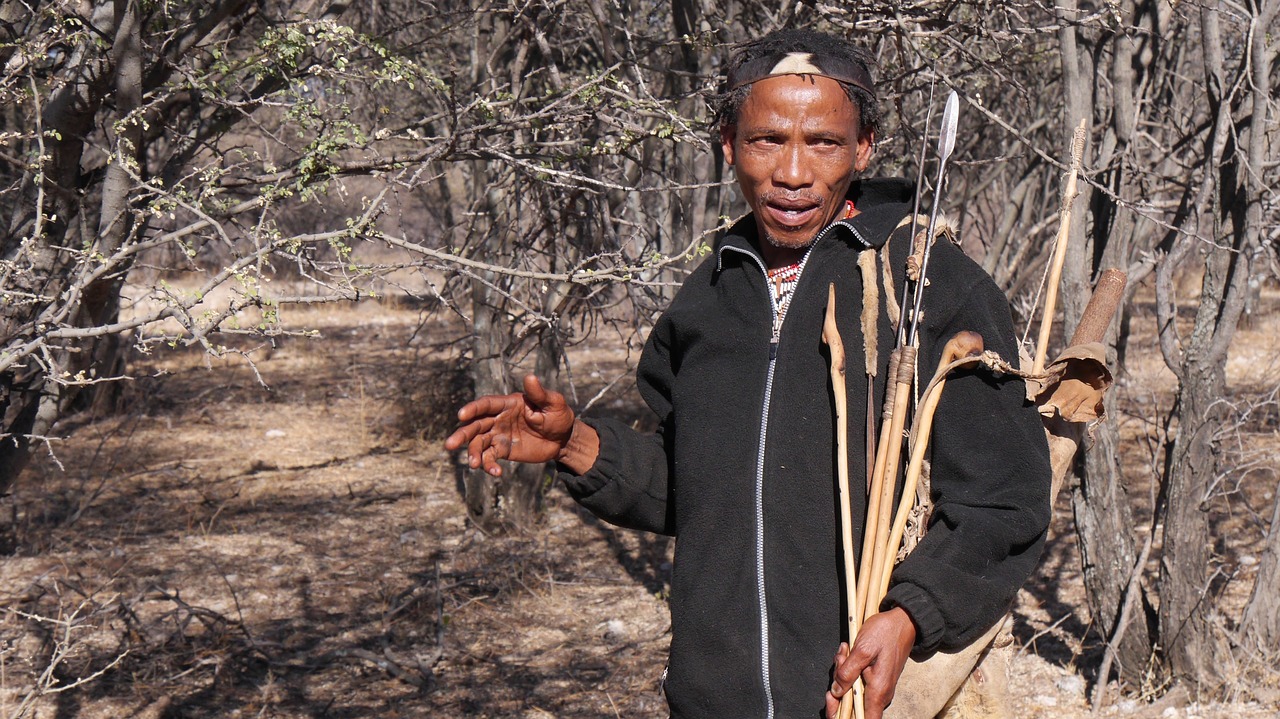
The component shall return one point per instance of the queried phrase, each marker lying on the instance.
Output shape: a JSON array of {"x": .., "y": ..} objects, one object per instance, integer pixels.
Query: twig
[
  {"x": 1047, "y": 630},
  {"x": 1126, "y": 614}
]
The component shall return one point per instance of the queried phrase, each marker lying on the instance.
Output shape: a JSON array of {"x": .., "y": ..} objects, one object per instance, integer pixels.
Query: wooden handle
[
  {"x": 880, "y": 509},
  {"x": 851, "y": 703},
  {"x": 846, "y": 706},
  {"x": 831, "y": 335},
  {"x": 961, "y": 345},
  {"x": 1101, "y": 308}
]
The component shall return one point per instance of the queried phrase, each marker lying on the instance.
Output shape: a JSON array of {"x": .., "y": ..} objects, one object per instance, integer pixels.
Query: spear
[
  {"x": 888, "y": 454},
  {"x": 1060, "y": 249},
  {"x": 915, "y": 206}
]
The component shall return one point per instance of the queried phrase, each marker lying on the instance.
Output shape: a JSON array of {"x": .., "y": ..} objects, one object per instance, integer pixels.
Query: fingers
[
  {"x": 880, "y": 680},
  {"x": 840, "y": 684},
  {"x": 873, "y": 710},
  {"x": 463, "y": 435},
  {"x": 833, "y": 706},
  {"x": 487, "y": 406},
  {"x": 476, "y": 449},
  {"x": 878, "y": 656},
  {"x": 836, "y": 690},
  {"x": 534, "y": 393},
  {"x": 850, "y": 664},
  {"x": 540, "y": 402},
  {"x": 499, "y": 449},
  {"x": 477, "y": 437},
  {"x": 476, "y": 418},
  {"x": 527, "y": 424},
  {"x": 486, "y": 448},
  {"x": 457, "y": 439}
]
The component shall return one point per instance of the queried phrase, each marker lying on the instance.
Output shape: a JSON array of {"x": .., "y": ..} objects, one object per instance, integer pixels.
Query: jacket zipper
[{"x": 776, "y": 335}]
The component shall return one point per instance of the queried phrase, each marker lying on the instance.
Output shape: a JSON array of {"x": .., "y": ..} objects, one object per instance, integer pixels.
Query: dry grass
[{"x": 220, "y": 549}]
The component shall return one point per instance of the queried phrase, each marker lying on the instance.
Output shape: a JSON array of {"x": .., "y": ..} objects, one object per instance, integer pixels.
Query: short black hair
[{"x": 727, "y": 105}]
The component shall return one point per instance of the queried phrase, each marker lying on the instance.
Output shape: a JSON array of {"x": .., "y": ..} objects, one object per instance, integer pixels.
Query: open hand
[{"x": 530, "y": 426}]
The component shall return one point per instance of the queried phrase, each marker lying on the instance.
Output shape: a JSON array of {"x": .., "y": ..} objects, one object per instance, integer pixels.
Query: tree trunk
[
  {"x": 116, "y": 222},
  {"x": 1260, "y": 625},
  {"x": 1104, "y": 524},
  {"x": 1191, "y": 643},
  {"x": 1105, "y": 531},
  {"x": 19, "y": 401},
  {"x": 48, "y": 209},
  {"x": 488, "y": 372},
  {"x": 488, "y": 355},
  {"x": 1100, "y": 502},
  {"x": 529, "y": 483},
  {"x": 1077, "y": 77}
]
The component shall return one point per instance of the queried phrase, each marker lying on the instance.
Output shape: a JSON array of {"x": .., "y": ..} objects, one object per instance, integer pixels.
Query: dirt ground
[{"x": 223, "y": 549}]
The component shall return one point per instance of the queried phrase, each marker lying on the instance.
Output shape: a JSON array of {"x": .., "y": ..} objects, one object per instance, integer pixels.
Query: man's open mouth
[{"x": 792, "y": 213}]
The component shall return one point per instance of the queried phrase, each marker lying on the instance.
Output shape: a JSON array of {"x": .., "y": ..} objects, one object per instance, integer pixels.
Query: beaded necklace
[{"x": 783, "y": 282}]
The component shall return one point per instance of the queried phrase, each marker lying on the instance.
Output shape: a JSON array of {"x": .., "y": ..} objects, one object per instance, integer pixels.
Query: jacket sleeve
[
  {"x": 629, "y": 484},
  {"x": 990, "y": 486}
]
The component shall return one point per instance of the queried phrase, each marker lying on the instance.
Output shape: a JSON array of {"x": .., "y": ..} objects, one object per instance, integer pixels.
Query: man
[{"x": 741, "y": 469}]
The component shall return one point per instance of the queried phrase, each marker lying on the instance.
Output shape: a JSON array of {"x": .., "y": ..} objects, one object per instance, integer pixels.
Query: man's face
[{"x": 796, "y": 147}]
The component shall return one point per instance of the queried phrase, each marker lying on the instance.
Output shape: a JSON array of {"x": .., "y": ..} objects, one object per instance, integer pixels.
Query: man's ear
[
  {"x": 862, "y": 153},
  {"x": 727, "y": 135}
]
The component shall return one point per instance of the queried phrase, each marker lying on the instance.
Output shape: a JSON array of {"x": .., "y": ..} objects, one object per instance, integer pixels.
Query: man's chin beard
[{"x": 782, "y": 244}]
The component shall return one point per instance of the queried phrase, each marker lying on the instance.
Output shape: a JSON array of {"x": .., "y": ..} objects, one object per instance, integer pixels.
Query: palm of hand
[
  {"x": 532, "y": 426},
  {"x": 530, "y": 433}
]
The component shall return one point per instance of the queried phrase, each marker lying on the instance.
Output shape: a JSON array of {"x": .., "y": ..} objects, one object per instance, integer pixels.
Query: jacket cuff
[{"x": 928, "y": 620}]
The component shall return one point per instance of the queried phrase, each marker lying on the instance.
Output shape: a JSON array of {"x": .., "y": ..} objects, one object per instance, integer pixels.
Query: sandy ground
[{"x": 223, "y": 549}]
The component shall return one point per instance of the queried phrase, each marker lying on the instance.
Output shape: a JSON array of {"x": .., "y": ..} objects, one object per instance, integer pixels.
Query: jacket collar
[{"x": 881, "y": 202}]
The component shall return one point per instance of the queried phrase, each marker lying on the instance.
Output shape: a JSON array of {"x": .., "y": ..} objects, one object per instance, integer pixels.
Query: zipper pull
[{"x": 773, "y": 348}]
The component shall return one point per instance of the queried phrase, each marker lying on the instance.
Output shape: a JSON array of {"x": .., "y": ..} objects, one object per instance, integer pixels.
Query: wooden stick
[
  {"x": 1060, "y": 250},
  {"x": 1102, "y": 306},
  {"x": 964, "y": 346},
  {"x": 870, "y": 344},
  {"x": 831, "y": 335},
  {"x": 873, "y": 489},
  {"x": 886, "y": 479}
]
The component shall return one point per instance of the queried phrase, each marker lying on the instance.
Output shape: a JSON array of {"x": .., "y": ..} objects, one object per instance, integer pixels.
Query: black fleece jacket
[{"x": 742, "y": 469}]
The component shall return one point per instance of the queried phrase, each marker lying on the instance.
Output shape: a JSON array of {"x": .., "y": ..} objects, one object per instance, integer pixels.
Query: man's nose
[{"x": 793, "y": 168}]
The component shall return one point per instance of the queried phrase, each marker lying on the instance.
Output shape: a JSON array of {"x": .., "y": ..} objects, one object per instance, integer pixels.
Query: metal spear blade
[
  {"x": 946, "y": 144},
  {"x": 947, "y": 133}
]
